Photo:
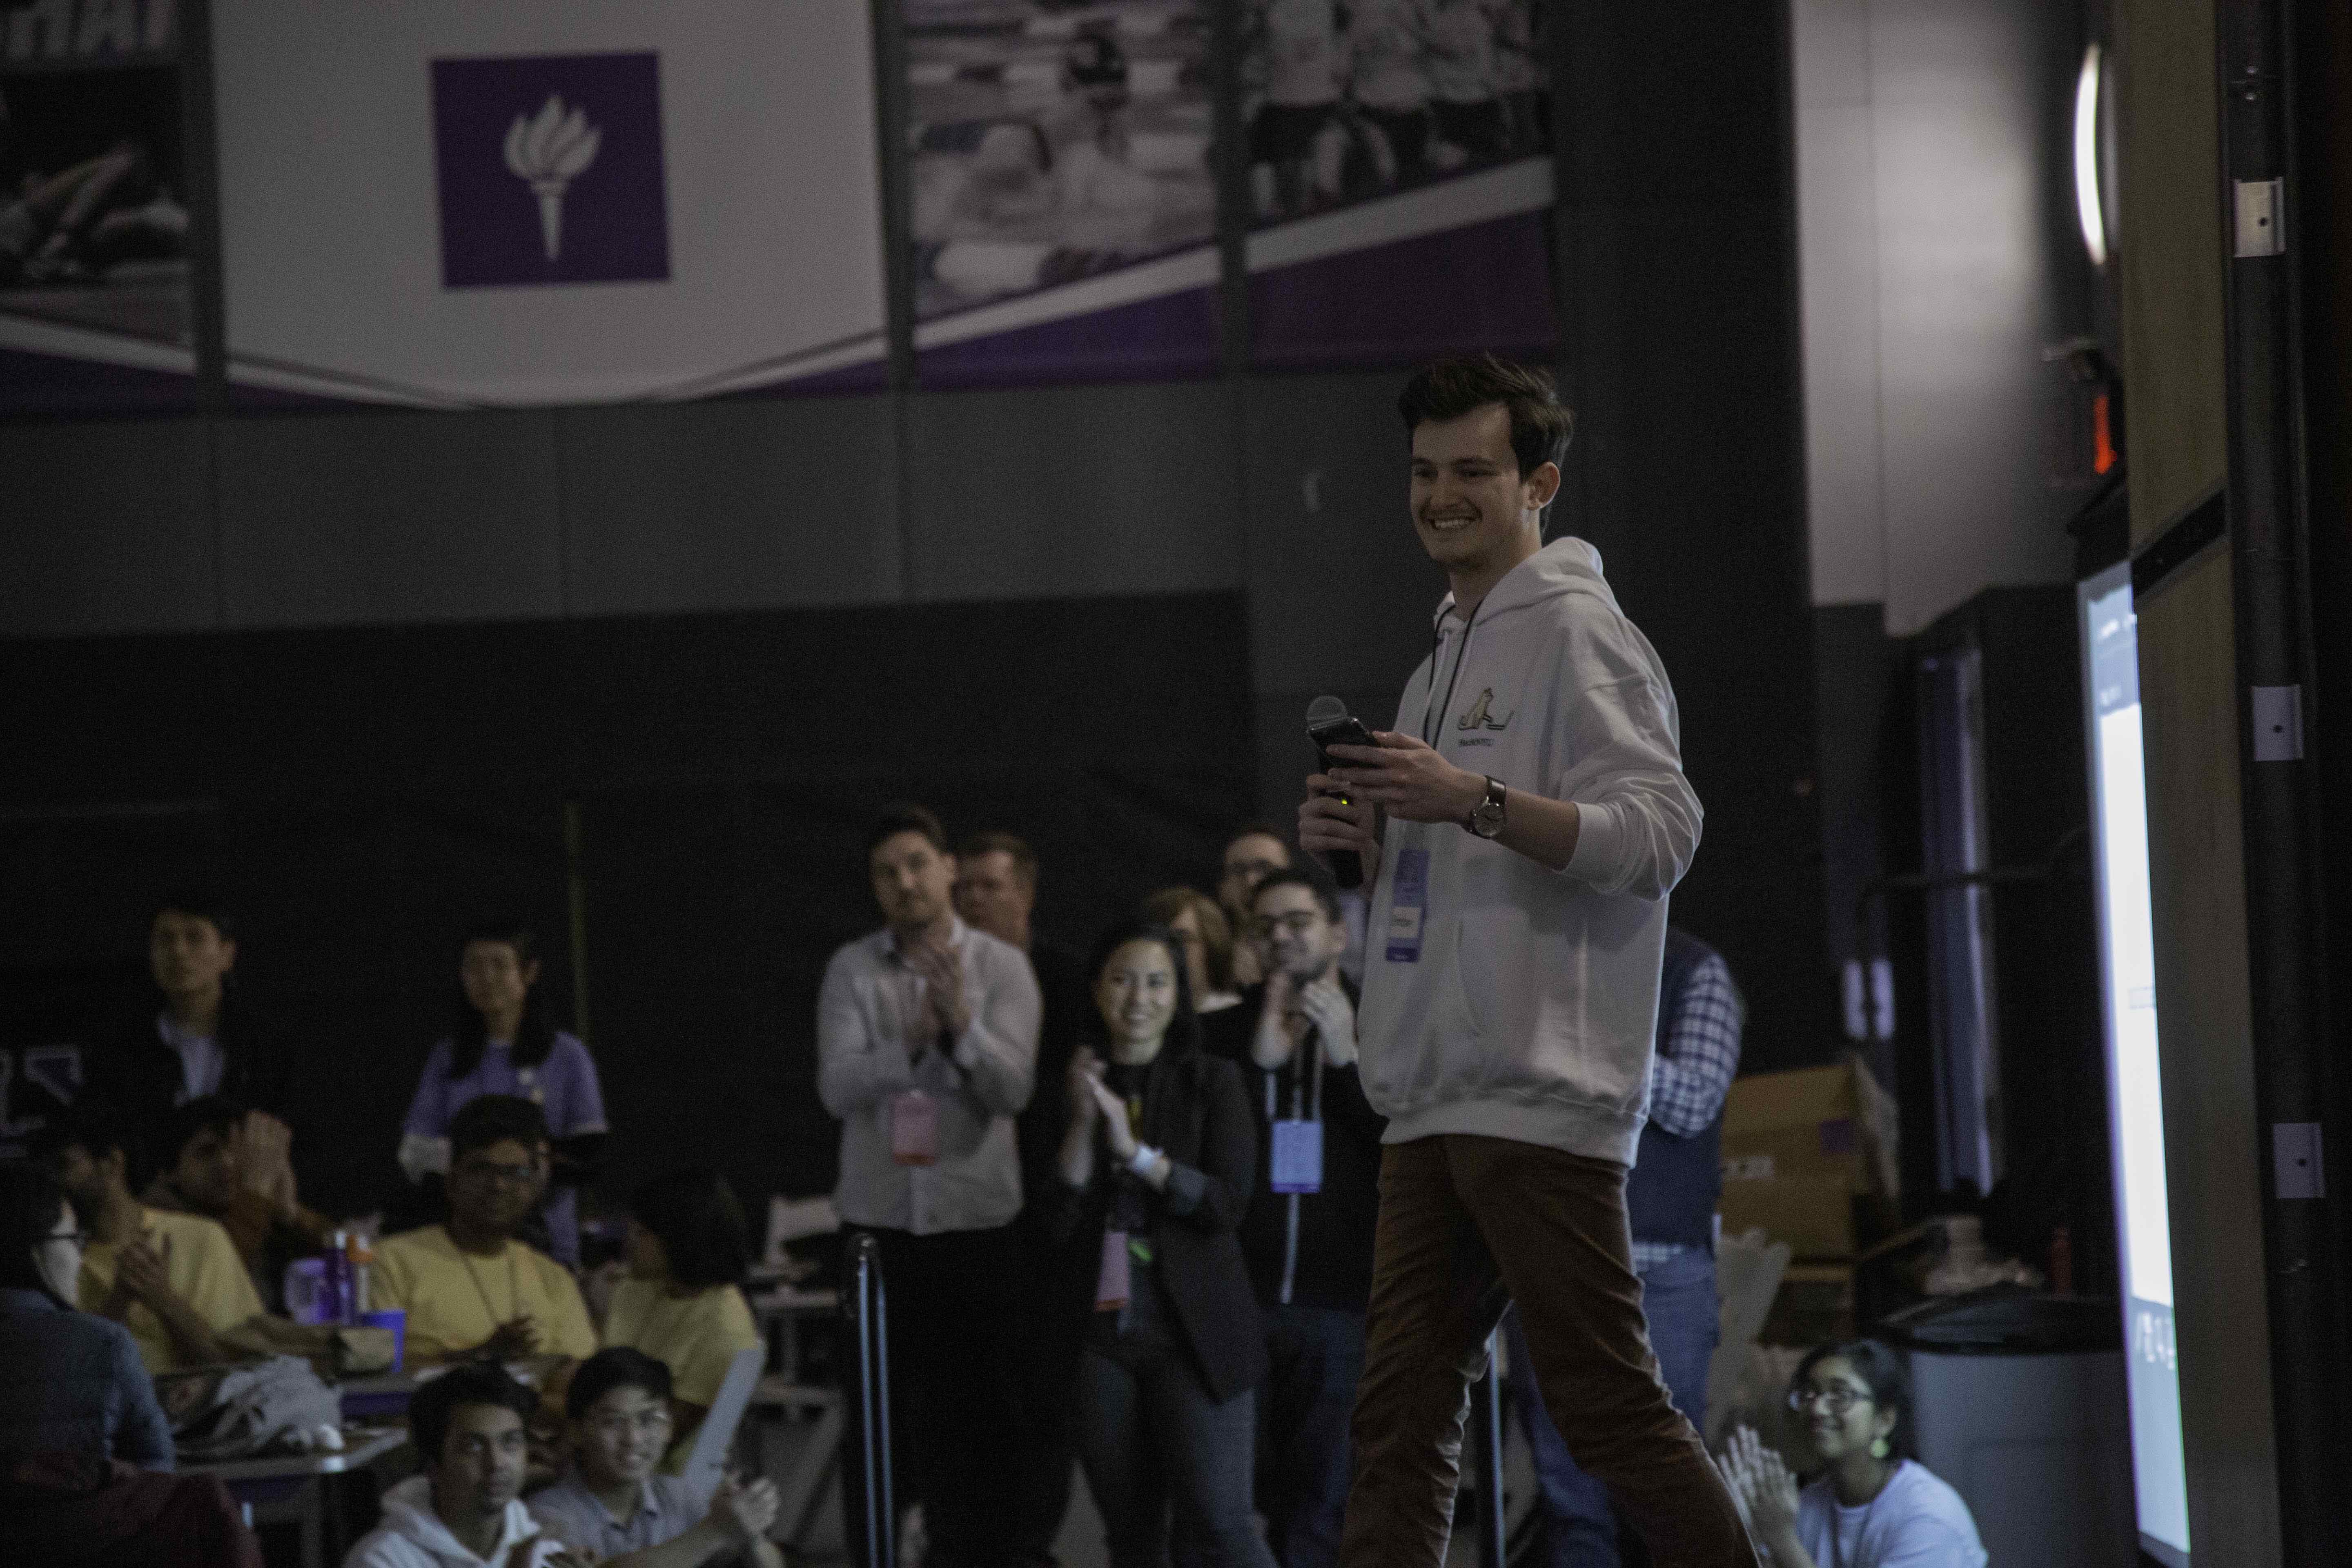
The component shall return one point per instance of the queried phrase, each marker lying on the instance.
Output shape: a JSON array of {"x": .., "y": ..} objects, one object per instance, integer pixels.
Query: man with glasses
[
  {"x": 470, "y": 1288},
  {"x": 612, "y": 1506},
  {"x": 1308, "y": 1234},
  {"x": 1252, "y": 854}
]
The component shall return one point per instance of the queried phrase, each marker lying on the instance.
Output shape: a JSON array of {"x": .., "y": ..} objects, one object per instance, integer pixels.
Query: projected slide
[{"x": 2136, "y": 1092}]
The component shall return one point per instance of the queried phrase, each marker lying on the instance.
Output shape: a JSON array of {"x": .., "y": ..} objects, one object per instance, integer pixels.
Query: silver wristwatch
[{"x": 1486, "y": 819}]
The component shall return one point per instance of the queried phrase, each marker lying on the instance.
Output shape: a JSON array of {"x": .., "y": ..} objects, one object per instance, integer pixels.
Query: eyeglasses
[
  {"x": 648, "y": 1423},
  {"x": 78, "y": 1238},
  {"x": 1836, "y": 1401}
]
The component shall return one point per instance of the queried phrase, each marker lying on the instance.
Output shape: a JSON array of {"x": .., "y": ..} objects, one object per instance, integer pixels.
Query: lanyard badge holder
[
  {"x": 1297, "y": 1161},
  {"x": 914, "y": 1115}
]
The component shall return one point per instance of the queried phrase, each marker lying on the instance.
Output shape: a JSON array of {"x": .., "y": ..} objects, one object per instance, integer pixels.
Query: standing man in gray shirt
[{"x": 926, "y": 1047}]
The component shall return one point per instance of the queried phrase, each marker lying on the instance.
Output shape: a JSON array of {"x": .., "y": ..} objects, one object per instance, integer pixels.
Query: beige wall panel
[
  {"x": 2212, "y": 1143},
  {"x": 2169, "y": 246}
]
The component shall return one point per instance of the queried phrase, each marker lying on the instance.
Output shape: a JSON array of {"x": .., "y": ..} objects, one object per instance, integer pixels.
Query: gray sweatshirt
[{"x": 1500, "y": 998}]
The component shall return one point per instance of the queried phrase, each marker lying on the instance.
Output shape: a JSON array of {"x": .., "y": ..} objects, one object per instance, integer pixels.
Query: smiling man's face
[{"x": 1471, "y": 505}]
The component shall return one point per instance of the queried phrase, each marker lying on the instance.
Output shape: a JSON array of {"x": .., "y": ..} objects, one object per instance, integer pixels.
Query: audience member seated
[
  {"x": 927, "y": 1043},
  {"x": 683, "y": 1301},
  {"x": 175, "y": 1280},
  {"x": 195, "y": 1036},
  {"x": 1875, "y": 1506},
  {"x": 1254, "y": 853},
  {"x": 1200, "y": 923},
  {"x": 1309, "y": 1233},
  {"x": 1156, "y": 1173},
  {"x": 466, "y": 1510},
  {"x": 501, "y": 1042},
  {"x": 996, "y": 891},
  {"x": 611, "y": 1507},
  {"x": 83, "y": 1445},
  {"x": 201, "y": 1155},
  {"x": 68, "y": 1381},
  {"x": 468, "y": 1287}
]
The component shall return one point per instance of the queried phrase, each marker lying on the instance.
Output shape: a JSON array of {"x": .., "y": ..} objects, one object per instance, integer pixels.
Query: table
[
  {"x": 381, "y": 1397},
  {"x": 292, "y": 1485}
]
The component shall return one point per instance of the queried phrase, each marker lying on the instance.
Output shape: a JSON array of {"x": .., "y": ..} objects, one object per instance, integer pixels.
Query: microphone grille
[{"x": 1323, "y": 710}]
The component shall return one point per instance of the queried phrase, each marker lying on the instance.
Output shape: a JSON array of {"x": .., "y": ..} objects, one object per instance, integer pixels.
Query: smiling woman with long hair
[{"x": 1156, "y": 1172}]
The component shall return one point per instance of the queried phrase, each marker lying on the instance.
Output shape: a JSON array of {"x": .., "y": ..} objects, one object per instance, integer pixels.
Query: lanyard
[
  {"x": 1461, "y": 657},
  {"x": 1303, "y": 1106},
  {"x": 1837, "y": 1542}
]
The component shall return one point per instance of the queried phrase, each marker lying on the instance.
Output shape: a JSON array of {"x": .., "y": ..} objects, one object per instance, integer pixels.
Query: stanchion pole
[
  {"x": 868, "y": 1307},
  {"x": 1487, "y": 1416}
]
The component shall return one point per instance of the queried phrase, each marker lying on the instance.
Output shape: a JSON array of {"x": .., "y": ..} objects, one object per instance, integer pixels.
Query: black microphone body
[{"x": 1328, "y": 724}]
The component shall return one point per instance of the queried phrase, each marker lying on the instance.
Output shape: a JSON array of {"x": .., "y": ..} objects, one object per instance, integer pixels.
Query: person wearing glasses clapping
[{"x": 1874, "y": 1506}]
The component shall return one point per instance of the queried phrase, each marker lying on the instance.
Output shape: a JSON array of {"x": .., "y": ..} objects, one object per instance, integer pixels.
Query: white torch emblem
[{"x": 548, "y": 151}]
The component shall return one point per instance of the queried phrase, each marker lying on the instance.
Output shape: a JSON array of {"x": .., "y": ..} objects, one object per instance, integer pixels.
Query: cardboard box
[
  {"x": 1815, "y": 1307},
  {"x": 1814, "y": 1215},
  {"x": 1808, "y": 1157}
]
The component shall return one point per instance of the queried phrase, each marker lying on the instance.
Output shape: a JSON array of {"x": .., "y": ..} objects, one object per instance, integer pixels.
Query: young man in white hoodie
[
  {"x": 466, "y": 1510},
  {"x": 1528, "y": 816}
]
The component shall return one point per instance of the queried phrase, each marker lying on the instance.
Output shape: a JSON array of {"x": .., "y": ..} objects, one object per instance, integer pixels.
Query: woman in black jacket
[{"x": 1159, "y": 1163}]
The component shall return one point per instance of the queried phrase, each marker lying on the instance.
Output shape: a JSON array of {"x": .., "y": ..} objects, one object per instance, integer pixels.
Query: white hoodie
[
  {"x": 412, "y": 1536},
  {"x": 1527, "y": 1007}
]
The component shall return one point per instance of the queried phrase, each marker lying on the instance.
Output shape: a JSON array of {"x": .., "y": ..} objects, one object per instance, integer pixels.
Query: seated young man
[
  {"x": 613, "y": 1508},
  {"x": 175, "y": 1280},
  {"x": 466, "y": 1509},
  {"x": 469, "y": 1288},
  {"x": 207, "y": 1165}
]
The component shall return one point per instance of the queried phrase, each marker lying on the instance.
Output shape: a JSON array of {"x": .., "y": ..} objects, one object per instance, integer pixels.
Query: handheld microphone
[{"x": 1328, "y": 724}]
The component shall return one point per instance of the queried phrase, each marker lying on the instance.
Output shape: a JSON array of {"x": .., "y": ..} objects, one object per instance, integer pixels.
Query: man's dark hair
[
  {"x": 906, "y": 817},
  {"x": 1881, "y": 1371},
  {"x": 30, "y": 1202},
  {"x": 467, "y": 1382},
  {"x": 1184, "y": 1028},
  {"x": 1326, "y": 895},
  {"x": 97, "y": 1128},
  {"x": 493, "y": 1119},
  {"x": 694, "y": 1214},
  {"x": 1260, "y": 829},
  {"x": 210, "y": 1113},
  {"x": 200, "y": 903},
  {"x": 470, "y": 1032},
  {"x": 619, "y": 1367},
  {"x": 1540, "y": 424},
  {"x": 1025, "y": 859}
]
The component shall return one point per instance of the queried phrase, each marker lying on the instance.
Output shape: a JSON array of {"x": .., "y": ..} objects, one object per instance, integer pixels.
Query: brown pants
[{"x": 1467, "y": 1226}]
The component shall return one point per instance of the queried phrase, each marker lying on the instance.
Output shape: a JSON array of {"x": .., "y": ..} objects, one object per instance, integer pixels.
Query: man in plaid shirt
[{"x": 1670, "y": 1199}]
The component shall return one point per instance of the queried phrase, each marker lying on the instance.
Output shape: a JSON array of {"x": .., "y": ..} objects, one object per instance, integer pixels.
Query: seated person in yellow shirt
[
  {"x": 683, "y": 1301},
  {"x": 175, "y": 1280},
  {"x": 470, "y": 1289}
]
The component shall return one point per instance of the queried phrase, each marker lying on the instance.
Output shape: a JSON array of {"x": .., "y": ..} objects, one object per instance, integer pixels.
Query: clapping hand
[
  {"x": 1113, "y": 1110},
  {"x": 512, "y": 1341},
  {"x": 1325, "y": 1004},
  {"x": 942, "y": 975},
  {"x": 745, "y": 1512},
  {"x": 141, "y": 1273},
  {"x": 265, "y": 1149},
  {"x": 1760, "y": 1477}
]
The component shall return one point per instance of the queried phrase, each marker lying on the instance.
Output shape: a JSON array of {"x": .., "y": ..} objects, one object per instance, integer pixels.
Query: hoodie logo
[{"x": 1480, "y": 718}]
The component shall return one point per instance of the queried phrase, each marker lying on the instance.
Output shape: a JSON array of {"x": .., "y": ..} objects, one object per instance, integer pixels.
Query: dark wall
[
  {"x": 382, "y": 611},
  {"x": 362, "y": 794}
]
